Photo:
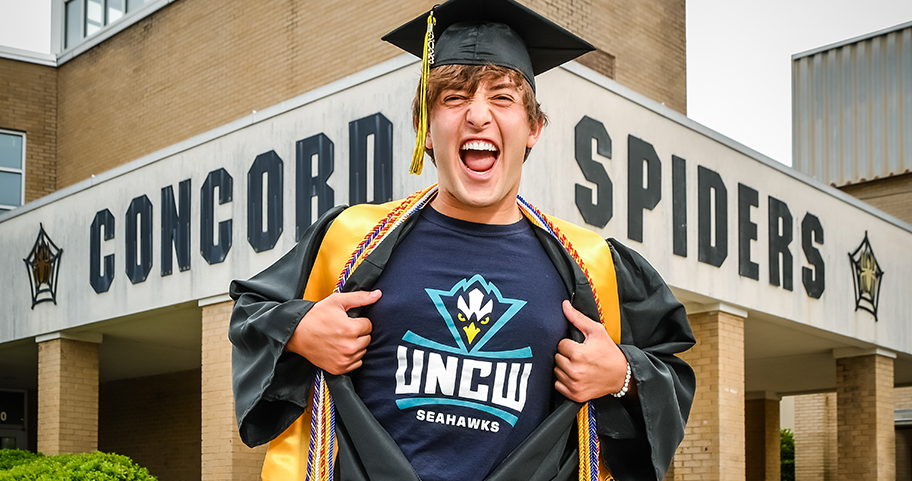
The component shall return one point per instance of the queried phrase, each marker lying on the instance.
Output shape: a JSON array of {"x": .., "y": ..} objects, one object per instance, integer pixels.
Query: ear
[
  {"x": 534, "y": 134},
  {"x": 428, "y": 143}
]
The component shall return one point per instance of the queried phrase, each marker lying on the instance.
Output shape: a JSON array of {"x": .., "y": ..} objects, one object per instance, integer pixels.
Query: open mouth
[{"x": 479, "y": 156}]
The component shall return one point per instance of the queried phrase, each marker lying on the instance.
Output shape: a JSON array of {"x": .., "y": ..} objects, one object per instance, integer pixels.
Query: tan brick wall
[
  {"x": 67, "y": 396},
  {"x": 866, "y": 436},
  {"x": 761, "y": 440},
  {"x": 154, "y": 420},
  {"x": 28, "y": 103},
  {"x": 892, "y": 195},
  {"x": 646, "y": 39},
  {"x": 199, "y": 64},
  {"x": 224, "y": 456},
  {"x": 902, "y": 398},
  {"x": 713, "y": 446},
  {"x": 815, "y": 437}
]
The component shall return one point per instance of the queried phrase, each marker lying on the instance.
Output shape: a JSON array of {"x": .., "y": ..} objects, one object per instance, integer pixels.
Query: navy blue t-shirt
[{"x": 460, "y": 366}]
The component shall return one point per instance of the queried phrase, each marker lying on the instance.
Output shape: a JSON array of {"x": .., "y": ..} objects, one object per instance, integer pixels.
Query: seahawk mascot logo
[{"x": 459, "y": 371}]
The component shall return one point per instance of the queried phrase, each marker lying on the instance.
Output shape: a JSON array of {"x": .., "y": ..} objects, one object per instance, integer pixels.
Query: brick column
[
  {"x": 761, "y": 437},
  {"x": 713, "y": 446},
  {"x": 224, "y": 456},
  {"x": 815, "y": 437},
  {"x": 67, "y": 393},
  {"x": 864, "y": 413}
]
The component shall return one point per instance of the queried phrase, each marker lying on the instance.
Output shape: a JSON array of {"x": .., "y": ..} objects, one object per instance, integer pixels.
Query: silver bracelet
[{"x": 624, "y": 389}]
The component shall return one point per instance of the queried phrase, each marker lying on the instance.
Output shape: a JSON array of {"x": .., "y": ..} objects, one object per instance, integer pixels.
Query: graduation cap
[
  {"x": 480, "y": 32},
  {"x": 498, "y": 32}
]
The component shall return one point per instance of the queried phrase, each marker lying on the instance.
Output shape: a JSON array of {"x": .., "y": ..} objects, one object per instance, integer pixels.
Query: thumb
[
  {"x": 581, "y": 321},
  {"x": 350, "y": 300}
]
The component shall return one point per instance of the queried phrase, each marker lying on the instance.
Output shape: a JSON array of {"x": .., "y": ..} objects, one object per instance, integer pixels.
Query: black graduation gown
[{"x": 638, "y": 434}]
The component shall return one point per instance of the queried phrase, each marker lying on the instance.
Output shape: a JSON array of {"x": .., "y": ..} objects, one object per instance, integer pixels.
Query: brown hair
[{"x": 467, "y": 78}]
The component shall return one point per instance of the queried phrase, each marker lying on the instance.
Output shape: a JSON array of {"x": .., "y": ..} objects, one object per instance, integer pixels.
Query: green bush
[
  {"x": 12, "y": 457},
  {"x": 787, "y": 454},
  {"x": 25, "y": 466}
]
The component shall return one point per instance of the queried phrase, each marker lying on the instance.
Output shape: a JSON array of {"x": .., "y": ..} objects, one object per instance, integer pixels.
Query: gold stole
[{"x": 286, "y": 457}]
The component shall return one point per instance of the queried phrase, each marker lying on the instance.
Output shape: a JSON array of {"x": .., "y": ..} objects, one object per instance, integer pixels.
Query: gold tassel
[{"x": 427, "y": 59}]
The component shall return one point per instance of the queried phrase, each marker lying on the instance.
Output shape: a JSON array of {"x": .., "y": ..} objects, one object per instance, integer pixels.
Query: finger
[
  {"x": 562, "y": 362},
  {"x": 355, "y": 347},
  {"x": 567, "y": 348},
  {"x": 566, "y": 371},
  {"x": 567, "y": 392},
  {"x": 559, "y": 387},
  {"x": 361, "y": 326},
  {"x": 350, "y": 300},
  {"x": 344, "y": 368},
  {"x": 580, "y": 321}
]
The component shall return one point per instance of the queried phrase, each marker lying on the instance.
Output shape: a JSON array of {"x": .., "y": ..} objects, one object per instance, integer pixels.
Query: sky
[
  {"x": 739, "y": 59},
  {"x": 738, "y": 55}
]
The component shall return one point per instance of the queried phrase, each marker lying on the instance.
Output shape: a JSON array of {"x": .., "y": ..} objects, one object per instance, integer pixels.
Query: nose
[{"x": 478, "y": 114}]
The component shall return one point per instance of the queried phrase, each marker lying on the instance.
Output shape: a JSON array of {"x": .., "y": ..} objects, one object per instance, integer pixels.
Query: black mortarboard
[
  {"x": 481, "y": 32},
  {"x": 499, "y": 32}
]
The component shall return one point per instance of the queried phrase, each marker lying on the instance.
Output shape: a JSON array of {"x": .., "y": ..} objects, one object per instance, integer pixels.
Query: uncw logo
[{"x": 459, "y": 371}]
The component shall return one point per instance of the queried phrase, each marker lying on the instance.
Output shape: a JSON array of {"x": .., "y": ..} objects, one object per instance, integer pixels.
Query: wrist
[{"x": 626, "y": 386}]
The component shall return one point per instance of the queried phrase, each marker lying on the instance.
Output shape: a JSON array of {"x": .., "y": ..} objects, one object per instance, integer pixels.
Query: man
[{"x": 466, "y": 328}]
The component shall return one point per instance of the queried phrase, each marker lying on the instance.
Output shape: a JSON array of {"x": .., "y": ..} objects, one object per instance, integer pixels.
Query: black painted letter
[
  {"x": 710, "y": 214},
  {"x": 679, "y": 205},
  {"x": 271, "y": 164},
  {"x": 812, "y": 233},
  {"x": 138, "y": 268},
  {"x": 100, "y": 277},
  {"x": 641, "y": 197},
  {"x": 215, "y": 253},
  {"x": 747, "y": 231},
  {"x": 779, "y": 241},
  {"x": 175, "y": 227},
  {"x": 307, "y": 186},
  {"x": 600, "y": 212},
  {"x": 359, "y": 132}
]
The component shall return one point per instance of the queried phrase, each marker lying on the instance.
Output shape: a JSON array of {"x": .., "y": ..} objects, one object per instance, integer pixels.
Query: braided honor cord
[
  {"x": 323, "y": 420},
  {"x": 585, "y": 419}
]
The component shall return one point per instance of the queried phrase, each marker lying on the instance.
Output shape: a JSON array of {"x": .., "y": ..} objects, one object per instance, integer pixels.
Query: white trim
[
  {"x": 719, "y": 307},
  {"x": 29, "y": 56},
  {"x": 844, "y": 352},
  {"x": 62, "y": 55},
  {"x": 860, "y": 38},
  {"x": 208, "y": 301},
  {"x": 93, "y": 337}
]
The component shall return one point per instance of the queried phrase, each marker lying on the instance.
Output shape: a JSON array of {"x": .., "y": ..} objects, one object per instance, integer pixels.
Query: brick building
[
  {"x": 129, "y": 151},
  {"x": 851, "y": 129}
]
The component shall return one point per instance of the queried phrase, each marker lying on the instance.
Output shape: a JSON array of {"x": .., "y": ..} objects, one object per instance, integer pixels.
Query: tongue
[{"x": 478, "y": 160}]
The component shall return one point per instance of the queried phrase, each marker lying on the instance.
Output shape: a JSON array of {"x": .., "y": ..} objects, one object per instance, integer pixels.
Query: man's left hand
[{"x": 591, "y": 369}]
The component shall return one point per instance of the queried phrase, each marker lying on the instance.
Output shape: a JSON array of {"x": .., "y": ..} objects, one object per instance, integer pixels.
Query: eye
[
  {"x": 503, "y": 100},
  {"x": 461, "y": 317},
  {"x": 453, "y": 99}
]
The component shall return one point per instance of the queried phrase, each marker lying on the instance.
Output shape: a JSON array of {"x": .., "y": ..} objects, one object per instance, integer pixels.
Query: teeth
[{"x": 479, "y": 145}]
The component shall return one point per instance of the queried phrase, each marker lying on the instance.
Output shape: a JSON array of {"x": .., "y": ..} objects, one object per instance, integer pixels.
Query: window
[
  {"x": 12, "y": 170},
  {"x": 86, "y": 17}
]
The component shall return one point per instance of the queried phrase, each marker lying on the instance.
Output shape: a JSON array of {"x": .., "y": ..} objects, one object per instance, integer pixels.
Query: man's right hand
[{"x": 331, "y": 340}]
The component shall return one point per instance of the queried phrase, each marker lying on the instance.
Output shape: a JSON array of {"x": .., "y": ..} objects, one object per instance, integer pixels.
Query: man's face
[{"x": 479, "y": 143}]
